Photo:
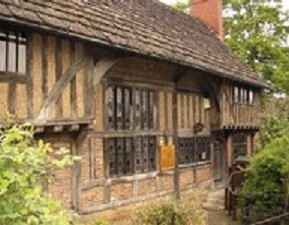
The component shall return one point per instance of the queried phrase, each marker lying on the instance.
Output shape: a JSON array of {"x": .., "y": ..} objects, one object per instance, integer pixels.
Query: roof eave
[{"x": 37, "y": 26}]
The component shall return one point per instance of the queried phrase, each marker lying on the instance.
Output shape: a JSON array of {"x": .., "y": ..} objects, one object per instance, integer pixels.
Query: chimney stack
[{"x": 211, "y": 13}]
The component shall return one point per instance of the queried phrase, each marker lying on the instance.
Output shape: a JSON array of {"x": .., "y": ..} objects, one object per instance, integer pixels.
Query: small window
[
  {"x": 195, "y": 149},
  {"x": 12, "y": 52},
  {"x": 239, "y": 145},
  {"x": 243, "y": 95},
  {"x": 130, "y": 109},
  {"x": 203, "y": 149},
  {"x": 128, "y": 156}
]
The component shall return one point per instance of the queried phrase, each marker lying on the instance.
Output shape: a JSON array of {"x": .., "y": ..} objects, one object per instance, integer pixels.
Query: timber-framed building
[{"x": 150, "y": 98}]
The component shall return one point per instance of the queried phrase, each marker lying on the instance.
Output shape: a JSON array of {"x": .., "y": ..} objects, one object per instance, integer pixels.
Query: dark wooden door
[{"x": 218, "y": 160}]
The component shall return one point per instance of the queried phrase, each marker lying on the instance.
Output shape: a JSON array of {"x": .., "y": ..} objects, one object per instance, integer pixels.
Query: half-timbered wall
[
  {"x": 120, "y": 161},
  {"x": 110, "y": 172},
  {"x": 240, "y": 113},
  {"x": 192, "y": 109},
  {"x": 48, "y": 58}
]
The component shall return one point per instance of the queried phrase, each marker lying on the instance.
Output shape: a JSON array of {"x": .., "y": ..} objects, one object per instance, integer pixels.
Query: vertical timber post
[{"x": 176, "y": 141}]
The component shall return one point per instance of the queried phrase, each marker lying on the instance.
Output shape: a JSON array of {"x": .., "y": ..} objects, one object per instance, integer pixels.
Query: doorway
[{"x": 218, "y": 160}]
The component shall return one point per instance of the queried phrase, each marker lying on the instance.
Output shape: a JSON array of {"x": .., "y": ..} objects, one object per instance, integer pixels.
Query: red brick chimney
[{"x": 210, "y": 12}]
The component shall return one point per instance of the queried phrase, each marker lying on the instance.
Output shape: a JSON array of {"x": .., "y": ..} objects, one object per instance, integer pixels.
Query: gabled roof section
[{"x": 147, "y": 27}]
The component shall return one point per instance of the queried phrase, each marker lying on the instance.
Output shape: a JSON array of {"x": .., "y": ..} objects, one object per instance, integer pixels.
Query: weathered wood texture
[
  {"x": 49, "y": 59},
  {"x": 236, "y": 114},
  {"x": 192, "y": 110}
]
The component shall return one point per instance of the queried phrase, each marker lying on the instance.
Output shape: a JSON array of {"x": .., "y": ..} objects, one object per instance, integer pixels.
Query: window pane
[
  {"x": 12, "y": 53},
  {"x": 138, "y": 155},
  {"x": 2, "y": 55},
  {"x": 137, "y": 112},
  {"x": 236, "y": 94},
  {"x": 145, "y": 147},
  {"x": 251, "y": 97},
  {"x": 241, "y": 95},
  {"x": 245, "y": 96},
  {"x": 120, "y": 156},
  {"x": 127, "y": 107},
  {"x": 187, "y": 153},
  {"x": 145, "y": 112},
  {"x": 119, "y": 108},
  {"x": 128, "y": 156},
  {"x": 110, "y": 147},
  {"x": 152, "y": 153},
  {"x": 203, "y": 148},
  {"x": 22, "y": 58},
  {"x": 151, "y": 110},
  {"x": 110, "y": 101},
  {"x": 239, "y": 145}
]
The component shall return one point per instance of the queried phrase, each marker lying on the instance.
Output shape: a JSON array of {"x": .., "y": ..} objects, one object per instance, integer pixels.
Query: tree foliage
[
  {"x": 267, "y": 185},
  {"x": 274, "y": 120},
  {"x": 257, "y": 32},
  {"x": 24, "y": 165},
  {"x": 183, "y": 6}
]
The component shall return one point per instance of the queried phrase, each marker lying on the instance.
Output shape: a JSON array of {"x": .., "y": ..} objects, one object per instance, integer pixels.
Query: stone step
[
  {"x": 217, "y": 194},
  {"x": 213, "y": 206},
  {"x": 220, "y": 201}
]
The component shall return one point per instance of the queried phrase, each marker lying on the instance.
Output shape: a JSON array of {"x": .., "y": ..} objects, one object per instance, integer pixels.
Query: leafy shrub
[
  {"x": 101, "y": 222},
  {"x": 266, "y": 186},
  {"x": 24, "y": 164},
  {"x": 170, "y": 213}
]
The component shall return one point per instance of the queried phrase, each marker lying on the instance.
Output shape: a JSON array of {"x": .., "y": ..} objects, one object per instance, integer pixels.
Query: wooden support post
[
  {"x": 176, "y": 141},
  {"x": 75, "y": 178},
  {"x": 249, "y": 145},
  {"x": 229, "y": 148}
]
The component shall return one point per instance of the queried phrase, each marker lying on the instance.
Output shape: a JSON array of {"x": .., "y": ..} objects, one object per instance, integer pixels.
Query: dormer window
[{"x": 12, "y": 52}]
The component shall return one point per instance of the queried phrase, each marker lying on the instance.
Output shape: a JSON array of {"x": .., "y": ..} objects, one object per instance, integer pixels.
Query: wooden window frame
[
  {"x": 136, "y": 127},
  {"x": 240, "y": 145},
  {"x": 19, "y": 39},
  {"x": 194, "y": 150},
  {"x": 243, "y": 95}
]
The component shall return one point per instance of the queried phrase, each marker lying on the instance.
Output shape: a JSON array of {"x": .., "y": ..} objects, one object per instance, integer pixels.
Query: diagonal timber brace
[
  {"x": 58, "y": 88},
  {"x": 101, "y": 68},
  {"x": 94, "y": 72}
]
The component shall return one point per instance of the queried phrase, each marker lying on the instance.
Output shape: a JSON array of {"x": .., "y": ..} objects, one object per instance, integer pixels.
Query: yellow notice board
[{"x": 167, "y": 157}]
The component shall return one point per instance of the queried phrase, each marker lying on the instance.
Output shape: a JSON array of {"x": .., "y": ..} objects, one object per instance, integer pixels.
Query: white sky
[{"x": 285, "y": 2}]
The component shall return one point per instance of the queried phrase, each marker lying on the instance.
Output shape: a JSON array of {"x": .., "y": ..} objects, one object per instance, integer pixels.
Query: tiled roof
[{"x": 147, "y": 27}]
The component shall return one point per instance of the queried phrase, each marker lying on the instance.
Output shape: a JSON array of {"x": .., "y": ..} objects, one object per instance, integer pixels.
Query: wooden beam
[
  {"x": 58, "y": 88},
  {"x": 101, "y": 68},
  {"x": 9, "y": 77},
  {"x": 94, "y": 75},
  {"x": 176, "y": 141}
]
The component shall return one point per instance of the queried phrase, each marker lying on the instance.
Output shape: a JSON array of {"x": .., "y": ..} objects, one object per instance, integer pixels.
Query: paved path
[{"x": 220, "y": 218}]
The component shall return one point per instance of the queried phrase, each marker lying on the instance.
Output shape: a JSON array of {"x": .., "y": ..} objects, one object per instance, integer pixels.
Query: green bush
[
  {"x": 170, "y": 213},
  {"x": 24, "y": 165},
  {"x": 101, "y": 222},
  {"x": 266, "y": 185}
]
